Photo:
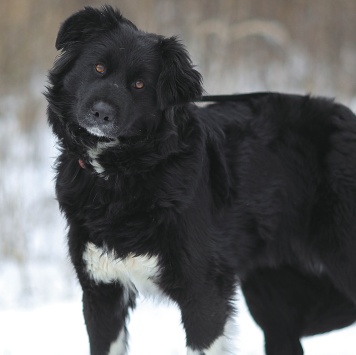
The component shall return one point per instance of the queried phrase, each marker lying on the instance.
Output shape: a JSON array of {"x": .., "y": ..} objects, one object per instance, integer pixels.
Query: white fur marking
[
  {"x": 95, "y": 131},
  {"x": 138, "y": 273},
  {"x": 99, "y": 149},
  {"x": 118, "y": 347},
  {"x": 223, "y": 344}
]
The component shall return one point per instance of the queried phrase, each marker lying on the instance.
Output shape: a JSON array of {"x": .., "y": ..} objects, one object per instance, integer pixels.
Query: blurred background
[{"x": 297, "y": 46}]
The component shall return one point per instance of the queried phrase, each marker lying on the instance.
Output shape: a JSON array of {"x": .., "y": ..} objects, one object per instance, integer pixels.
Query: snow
[{"x": 58, "y": 328}]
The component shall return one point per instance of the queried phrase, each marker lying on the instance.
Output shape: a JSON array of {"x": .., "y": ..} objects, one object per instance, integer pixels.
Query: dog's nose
[{"x": 103, "y": 111}]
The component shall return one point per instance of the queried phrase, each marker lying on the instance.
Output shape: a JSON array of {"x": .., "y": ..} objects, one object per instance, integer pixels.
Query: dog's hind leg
[
  {"x": 341, "y": 268},
  {"x": 333, "y": 312},
  {"x": 288, "y": 304},
  {"x": 278, "y": 300}
]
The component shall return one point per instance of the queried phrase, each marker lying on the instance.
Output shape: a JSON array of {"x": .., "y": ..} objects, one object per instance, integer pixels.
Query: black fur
[
  {"x": 261, "y": 191},
  {"x": 289, "y": 304}
]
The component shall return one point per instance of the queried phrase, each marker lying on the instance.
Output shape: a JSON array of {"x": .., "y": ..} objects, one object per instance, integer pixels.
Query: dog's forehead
[
  {"x": 126, "y": 44},
  {"x": 125, "y": 36}
]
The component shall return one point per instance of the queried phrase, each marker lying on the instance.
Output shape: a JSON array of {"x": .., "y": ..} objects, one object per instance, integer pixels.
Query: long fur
[{"x": 259, "y": 192}]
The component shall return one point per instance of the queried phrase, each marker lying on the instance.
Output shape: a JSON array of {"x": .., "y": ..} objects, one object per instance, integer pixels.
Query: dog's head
[{"x": 114, "y": 80}]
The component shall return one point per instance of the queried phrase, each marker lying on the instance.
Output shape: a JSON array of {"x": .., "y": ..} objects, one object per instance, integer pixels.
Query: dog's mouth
[
  {"x": 96, "y": 131},
  {"x": 101, "y": 129},
  {"x": 85, "y": 137}
]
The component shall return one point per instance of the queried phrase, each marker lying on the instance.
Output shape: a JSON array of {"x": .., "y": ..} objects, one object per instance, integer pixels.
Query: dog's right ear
[{"x": 81, "y": 25}]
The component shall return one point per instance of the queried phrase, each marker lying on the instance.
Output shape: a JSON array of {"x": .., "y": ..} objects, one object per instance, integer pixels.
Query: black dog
[{"x": 164, "y": 197}]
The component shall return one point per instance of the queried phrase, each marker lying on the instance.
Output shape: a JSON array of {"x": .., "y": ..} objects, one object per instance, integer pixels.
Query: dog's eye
[
  {"x": 100, "y": 68},
  {"x": 138, "y": 84}
]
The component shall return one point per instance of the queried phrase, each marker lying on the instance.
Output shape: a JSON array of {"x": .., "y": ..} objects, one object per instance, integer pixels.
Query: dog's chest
[{"x": 136, "y": 273}]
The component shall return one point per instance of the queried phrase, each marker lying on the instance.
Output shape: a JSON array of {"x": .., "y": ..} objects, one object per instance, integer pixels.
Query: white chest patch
[
  {"x": 138, "y": 273},
  {"x": 99, "y": 149}
]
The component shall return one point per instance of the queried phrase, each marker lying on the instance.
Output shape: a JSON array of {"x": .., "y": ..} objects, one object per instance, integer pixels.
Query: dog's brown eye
[
  {"x": 139, "y": 84},
  {"x": 100, "y": 68}
]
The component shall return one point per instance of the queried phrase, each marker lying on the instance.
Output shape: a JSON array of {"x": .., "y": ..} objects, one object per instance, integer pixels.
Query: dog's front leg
[
  {"x": 105, "y": 309},
  {"x": 207, "y": 320}
]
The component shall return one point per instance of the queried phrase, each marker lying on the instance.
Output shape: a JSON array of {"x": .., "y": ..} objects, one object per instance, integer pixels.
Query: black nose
[{"x": 103, "y": 111}]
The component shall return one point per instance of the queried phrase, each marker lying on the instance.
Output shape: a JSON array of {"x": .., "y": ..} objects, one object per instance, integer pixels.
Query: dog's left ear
[{"x": 178, "y": 82}]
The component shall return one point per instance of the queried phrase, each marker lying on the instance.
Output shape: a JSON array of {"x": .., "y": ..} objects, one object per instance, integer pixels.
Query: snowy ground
[{"x": 58, "y": 328}]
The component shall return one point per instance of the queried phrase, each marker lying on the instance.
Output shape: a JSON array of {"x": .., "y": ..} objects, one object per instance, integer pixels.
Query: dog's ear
[
  {"x": 87, "y": 22},
  {"x": 178, "y": 82}
]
